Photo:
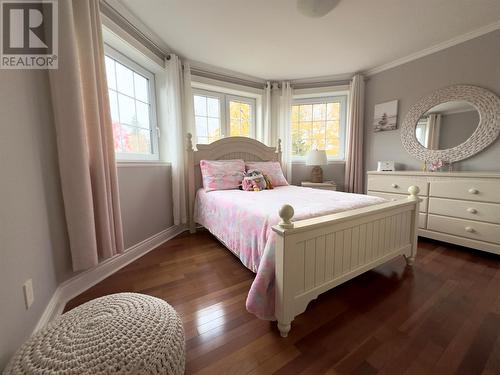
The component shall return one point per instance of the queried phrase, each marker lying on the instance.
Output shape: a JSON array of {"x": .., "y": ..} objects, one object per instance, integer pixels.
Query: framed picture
[{"x": 385, "y": 116}]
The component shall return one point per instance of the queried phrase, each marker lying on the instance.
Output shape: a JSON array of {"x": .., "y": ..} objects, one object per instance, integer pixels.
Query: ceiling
[{"x": 270, "y": 39}]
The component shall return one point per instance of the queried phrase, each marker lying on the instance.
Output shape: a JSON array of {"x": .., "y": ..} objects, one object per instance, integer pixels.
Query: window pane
[
  {"x": 110, "y": 73},
  {"x": 124, "y": 80},
  {"x": 126, "y": 107},
  {"x": 129, "y": 139},
  {"x": 319, "y": 111},
  {"x": 142, "y": 114},
  {"x": 213, "y": 105},
  {"x": 306, "y": 112},
  {"x": 201, "y": 126},
  {"x": 143, "y": 141},
  {"x": 214, "y": 130},
  {"x": 234, "y": 128},
  {"x": 118, "y": 136},
  {"x": 333, "y": 111},
  {"x": 295, "y": 113},
  {"x": 240, "y": 118},
  {"x": 141, "y": 88},
  {"x": 200, "y": 105},
  {"x": 113, "y": 104}
]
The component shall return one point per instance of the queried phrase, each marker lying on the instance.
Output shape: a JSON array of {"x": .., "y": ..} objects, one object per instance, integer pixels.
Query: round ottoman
[{"x": 125, "y": 333}]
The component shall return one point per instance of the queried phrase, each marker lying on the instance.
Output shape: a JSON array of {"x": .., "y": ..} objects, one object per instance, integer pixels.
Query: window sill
[
  {"x": 142, "y": 163},
  {"x": 330, "y": 162}
]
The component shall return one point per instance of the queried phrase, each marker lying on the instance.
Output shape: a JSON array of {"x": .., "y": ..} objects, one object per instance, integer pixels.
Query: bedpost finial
[
  {"x": 413, "y": 190},
  {"x": 279, "y": 145},
  {"x": 189, "y": 138},
  {"x": 286, "y": 213}
]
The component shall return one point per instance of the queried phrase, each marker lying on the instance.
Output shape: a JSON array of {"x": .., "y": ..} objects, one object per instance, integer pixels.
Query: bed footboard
[{"x": 315, "y": 255}]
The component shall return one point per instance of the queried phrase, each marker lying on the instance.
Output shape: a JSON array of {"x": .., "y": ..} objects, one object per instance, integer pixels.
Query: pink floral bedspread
[{"x": 243, "y": 221}]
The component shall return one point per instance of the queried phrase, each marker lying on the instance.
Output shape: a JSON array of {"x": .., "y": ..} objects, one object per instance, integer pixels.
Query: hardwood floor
[{"x": 440, "y": 317}]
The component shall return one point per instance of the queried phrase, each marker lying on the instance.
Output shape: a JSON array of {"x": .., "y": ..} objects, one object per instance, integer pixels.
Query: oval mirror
[{"x": 447, "y": 125}]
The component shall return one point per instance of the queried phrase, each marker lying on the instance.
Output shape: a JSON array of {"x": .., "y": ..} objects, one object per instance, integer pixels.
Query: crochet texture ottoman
[{"x": 124, "y": 333}]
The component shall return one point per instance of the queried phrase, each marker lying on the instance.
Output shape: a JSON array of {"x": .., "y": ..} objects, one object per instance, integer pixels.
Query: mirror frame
[{"x": 484, "y": 101}]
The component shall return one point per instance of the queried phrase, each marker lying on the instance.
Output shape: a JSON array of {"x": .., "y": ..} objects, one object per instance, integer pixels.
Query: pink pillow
[
  {"x": 271, "y": 169},
  {"x": 222, "y": 174}
]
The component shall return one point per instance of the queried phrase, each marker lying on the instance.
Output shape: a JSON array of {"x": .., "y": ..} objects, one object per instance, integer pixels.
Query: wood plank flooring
[{"x": 440, "y": 317}]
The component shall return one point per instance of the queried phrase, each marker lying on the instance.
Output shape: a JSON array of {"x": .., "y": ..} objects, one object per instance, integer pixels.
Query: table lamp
[{"x": 317, "y": 158}]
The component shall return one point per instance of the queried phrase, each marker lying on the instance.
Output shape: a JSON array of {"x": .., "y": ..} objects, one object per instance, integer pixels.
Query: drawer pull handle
[
  {"x": 395, "y": 186},
  {"x": 473, "y": 191},
  {"x": 470, "y": 229},
  {"x": 472, "y": 210}
]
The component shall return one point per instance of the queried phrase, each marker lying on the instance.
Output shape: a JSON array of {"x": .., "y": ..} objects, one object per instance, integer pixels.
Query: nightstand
[{"x": 327, "y": 185}]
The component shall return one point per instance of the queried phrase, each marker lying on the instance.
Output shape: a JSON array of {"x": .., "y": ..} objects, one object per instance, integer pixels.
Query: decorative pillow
[
  {"x": 270, "y": 169},
  {"x": 222, "y": 174}
]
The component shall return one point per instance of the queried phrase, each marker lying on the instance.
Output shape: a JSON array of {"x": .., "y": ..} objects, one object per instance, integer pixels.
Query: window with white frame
[
  {"x": 319, "y": 123},
  {"x": 132, "y": 101},
  {"x": 219, "y": 115}
]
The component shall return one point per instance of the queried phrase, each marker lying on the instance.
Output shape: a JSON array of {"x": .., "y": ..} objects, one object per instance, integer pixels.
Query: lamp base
[{"x": 317, "y": 174}]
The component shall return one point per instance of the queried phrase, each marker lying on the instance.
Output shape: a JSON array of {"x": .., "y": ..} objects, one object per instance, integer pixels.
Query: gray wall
[
  {"x": 146, "y": 200},
  {"x": 456, "y": 128},
  {"x": 475, "y": 62},
  {"x": 33, "y": 242},
  {"x": 333, "y": 171}
]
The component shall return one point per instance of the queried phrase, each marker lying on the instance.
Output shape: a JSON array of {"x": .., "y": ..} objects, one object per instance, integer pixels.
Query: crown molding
[{"x": 436, "y": 48}]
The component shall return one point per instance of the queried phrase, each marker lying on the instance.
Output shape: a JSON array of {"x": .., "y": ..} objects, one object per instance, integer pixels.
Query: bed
[{"x": 299, "y": 242}]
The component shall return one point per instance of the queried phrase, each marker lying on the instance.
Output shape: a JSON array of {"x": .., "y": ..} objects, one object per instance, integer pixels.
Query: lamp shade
[{"x": 316, "y": 157}]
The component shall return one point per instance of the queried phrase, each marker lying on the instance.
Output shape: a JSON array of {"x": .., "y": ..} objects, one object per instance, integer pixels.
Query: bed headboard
[{"x": 228, "y": 148}]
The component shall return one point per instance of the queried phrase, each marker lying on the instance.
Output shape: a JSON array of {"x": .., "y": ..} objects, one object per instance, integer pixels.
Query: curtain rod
[
  {"x": 319, "y": 84},
  {"x": 109, "y": 11},
  {"x": 226, "y": 78}
]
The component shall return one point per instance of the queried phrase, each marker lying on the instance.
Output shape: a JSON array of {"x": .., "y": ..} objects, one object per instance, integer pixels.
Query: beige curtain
[
  {"x": 432, "y": 131},
  {"x": 84, "y": 136},
  {"x": 355, "y": 127}
]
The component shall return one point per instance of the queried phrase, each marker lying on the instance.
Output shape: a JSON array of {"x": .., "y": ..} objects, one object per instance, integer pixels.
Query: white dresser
[{"x": 457, "y": 207}]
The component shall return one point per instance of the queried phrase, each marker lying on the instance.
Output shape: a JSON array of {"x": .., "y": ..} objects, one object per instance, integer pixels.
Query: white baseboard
[{"x": 71, "y": 288}]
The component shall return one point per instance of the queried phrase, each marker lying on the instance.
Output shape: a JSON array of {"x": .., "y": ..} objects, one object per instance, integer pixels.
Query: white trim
[
  {"x": 436, "y": 48},
  {"x": 141, "y": 164},
  {"x": 71, "y": 288},
  {"x": 224, "y": 73},
  {"x": 321, "y": 91},
  {"x": 210, "y": 84}
]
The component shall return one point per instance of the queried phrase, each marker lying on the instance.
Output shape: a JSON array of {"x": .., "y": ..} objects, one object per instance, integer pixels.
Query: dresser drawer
[
  {"x": 422, "y": 221},
  {"x": 396, "y": 184},
  {"x": 394, "y": 197},
  {"x": 466, "y": 210},
  {"x": 465, "y": 228},
  {"x": 468, "y": 189}
]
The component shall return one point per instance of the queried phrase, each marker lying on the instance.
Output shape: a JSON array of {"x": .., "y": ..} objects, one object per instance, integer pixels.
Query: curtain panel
[
  {"x": 179, "y": 122},
  {"x": 285, "y": 128},
  {"x": 84, "y": 137},
  {"x": 355, "y": 127}
]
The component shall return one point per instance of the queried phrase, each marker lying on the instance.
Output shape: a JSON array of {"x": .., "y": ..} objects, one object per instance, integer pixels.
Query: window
[
  {"x": 218, "y": 115},
  {"x": 133, "y": 113},
  {"x": 319, "y": 123}
]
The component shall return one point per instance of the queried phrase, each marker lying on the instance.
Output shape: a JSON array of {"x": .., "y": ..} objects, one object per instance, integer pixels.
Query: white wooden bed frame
[{"x": 315, "y": 255}]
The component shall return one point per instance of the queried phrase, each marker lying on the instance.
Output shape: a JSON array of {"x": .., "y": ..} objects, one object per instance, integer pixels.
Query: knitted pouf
[{"x": 125, "y": 333}]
